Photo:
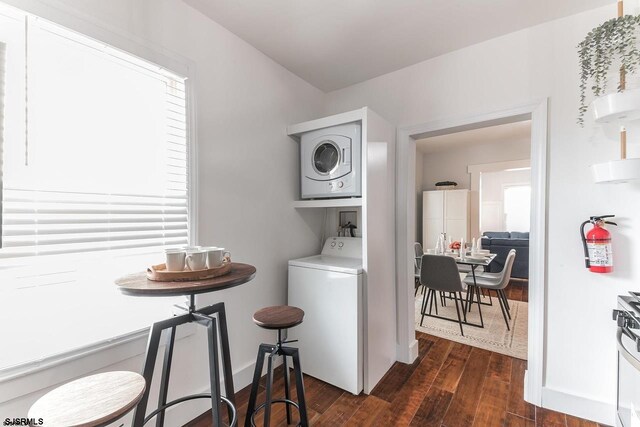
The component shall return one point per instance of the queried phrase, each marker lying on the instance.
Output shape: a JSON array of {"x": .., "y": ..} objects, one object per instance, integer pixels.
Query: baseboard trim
[
  {"x": 407, "y": 355},
  {"x": 579, "y": 406}
]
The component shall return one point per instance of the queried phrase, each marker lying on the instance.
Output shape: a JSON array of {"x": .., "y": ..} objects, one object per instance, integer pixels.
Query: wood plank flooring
[{"x": 449, "y": 385}]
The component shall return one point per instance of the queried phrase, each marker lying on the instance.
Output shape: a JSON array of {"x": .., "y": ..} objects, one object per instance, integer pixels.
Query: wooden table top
[
  {"x": 97, "y": 400},
  {"x": 138, "y": 284}
]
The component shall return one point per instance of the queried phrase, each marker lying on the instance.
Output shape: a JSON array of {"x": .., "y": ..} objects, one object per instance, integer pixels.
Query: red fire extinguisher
[{"x": 598, "y": 256}]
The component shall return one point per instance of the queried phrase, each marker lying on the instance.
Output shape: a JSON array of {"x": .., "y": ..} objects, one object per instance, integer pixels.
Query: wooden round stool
[
  {"x": 278, "y": 318},
  {"x": 93, "y": 401}
]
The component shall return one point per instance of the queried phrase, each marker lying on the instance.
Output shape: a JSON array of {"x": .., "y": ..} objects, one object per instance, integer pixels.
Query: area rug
[{"x": 493, "y": 337}]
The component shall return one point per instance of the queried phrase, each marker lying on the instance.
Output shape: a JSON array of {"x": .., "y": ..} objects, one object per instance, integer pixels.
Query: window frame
[
  {"x": 143, "y": 50},
  {"x": 83, "y": 360}
]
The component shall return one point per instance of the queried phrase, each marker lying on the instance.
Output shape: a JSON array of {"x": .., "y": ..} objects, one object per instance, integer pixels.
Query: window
[
  {"x": 517, "y": 207},
  {"x": 95, "y": 153}
]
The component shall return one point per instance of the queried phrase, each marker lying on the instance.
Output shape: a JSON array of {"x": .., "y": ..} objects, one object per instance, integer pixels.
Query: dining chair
[
  {"x": 439, "y": 273},
  {"x": 497, "y": 282},
  {"x": 417, "y": 247}
]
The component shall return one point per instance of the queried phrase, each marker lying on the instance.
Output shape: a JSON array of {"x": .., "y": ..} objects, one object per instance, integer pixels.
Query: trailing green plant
[{"x": 613, "y": 42}]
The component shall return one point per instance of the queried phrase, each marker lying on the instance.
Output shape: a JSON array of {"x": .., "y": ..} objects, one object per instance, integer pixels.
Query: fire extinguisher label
[{"x": 600, "y": 255}]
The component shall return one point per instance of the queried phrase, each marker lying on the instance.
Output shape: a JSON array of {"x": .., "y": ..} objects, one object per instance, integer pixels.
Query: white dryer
[
  {"x": 328, "y": 287},
  {"x": 330, "y": 162}
]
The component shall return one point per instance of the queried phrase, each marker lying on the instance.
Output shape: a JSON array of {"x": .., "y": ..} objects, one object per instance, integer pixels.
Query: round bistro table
[{"x": 212, "y": 317}]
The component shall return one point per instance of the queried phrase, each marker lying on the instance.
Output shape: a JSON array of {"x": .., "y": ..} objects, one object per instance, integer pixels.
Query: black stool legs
[{"x": 271, "y": 352}]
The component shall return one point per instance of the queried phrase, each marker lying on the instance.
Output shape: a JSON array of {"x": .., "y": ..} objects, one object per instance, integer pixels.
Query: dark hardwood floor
[
  {"x": 450, "y": 385},
  {"x": 518, "y": 290}
]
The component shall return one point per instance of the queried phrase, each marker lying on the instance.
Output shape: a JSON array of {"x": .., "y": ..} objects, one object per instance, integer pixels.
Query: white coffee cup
[
  {"x": 196, "y": 259},
  {"x": 216, "y": 256},
  {"x": 174, "y": 259}
]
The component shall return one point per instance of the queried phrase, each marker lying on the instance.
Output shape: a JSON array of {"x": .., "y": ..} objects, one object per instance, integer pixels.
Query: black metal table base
[
  {"x": 205, "y": 317},
  {"x": 160, "y": 410}
]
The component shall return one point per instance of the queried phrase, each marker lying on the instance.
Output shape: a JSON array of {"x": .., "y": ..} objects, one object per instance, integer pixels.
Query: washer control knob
[
  {"x": 340, "y": 184},
  {"x": 341, "y": 244},
  {"x": 333, "y": 244}
]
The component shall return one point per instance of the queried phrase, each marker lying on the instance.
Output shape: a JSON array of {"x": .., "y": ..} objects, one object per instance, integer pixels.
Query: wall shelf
[
  {"x": 620, "y": 107},
  {"x": 328, "y": 203},
  {"x": 335, "y": 120},
  {"x": 616, "y": 171}
]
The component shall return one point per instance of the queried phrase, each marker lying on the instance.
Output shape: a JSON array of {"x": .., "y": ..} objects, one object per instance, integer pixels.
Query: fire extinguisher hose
[{"x": 587, "y": 263}]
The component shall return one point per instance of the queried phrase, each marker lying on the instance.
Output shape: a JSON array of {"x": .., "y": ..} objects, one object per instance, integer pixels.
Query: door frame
[{"x": 537, "y": 112}]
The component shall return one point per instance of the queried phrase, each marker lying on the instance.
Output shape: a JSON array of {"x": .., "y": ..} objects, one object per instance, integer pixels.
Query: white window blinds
[
  {"x": 103, "y": 164},
  {"x": 3, "y": 49}
]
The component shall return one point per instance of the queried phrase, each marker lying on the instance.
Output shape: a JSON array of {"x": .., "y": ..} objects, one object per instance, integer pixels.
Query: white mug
[
  {"x": 174, "y": 259},
  {"x": 216, "y": 256},
  {"x": 196, "y": 259}
]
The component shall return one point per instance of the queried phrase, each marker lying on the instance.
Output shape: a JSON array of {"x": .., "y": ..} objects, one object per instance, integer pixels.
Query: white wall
[
  {"x": 451, "y": 164},
  {"x": 492, "y": 197},
  {"x": 247, "y": 173},
  {"x": 510, "y": 71}
]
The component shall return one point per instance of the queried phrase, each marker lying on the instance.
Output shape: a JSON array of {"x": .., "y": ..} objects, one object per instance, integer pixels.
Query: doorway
[
  {"x": 474, "y": 189},
  {"x": 406, "y": 216}
]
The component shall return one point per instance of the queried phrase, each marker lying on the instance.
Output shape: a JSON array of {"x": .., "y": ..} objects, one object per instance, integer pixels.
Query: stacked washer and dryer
[{"x": 328, "y": 286}]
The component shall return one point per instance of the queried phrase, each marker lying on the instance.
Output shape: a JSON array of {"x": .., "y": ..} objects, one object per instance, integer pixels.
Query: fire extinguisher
[{"x": 598, "y": 257}]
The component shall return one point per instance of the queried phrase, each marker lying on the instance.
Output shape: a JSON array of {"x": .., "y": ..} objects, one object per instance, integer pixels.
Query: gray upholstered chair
[
  {"x": 497, "y": 282},
  {"x": 417, "y": 247},
  {"x": 439, "y": 273}
]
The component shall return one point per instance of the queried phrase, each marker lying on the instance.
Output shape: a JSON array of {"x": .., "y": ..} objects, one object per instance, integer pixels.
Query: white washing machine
[
  {"x": 328, "y": 287},
  {"x": 330, "y": 162}
]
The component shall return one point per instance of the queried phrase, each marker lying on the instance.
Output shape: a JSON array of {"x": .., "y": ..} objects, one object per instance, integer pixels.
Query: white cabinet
[
  {"x": 444, "y": 211},
  {"x": 377, "y": 207}
]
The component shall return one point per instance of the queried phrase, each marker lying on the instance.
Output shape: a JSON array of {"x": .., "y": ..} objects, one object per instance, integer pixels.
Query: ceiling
[
  {"x": 336, "y": 43},
  {"x": 506, "y": 133}
]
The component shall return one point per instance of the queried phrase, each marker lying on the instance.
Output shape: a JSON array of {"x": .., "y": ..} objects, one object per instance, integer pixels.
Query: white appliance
[
  {"x": 444, "y": 211},
  {"x": 330, "y": 162},
  {"x": 628, "y": 336},
  {"x": 328, "y": 287}
]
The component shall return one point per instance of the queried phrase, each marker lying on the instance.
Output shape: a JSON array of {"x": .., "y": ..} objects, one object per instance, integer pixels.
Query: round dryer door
[{"x": 326, "y": 157}]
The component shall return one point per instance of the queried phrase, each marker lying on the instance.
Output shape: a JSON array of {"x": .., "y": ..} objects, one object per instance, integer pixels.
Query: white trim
[
  {"x": 405, "y": 228},
  {"x": 192, "y": 158},
  {"x": 497, "y": 167},
  {"x": 579, "y": 406}
]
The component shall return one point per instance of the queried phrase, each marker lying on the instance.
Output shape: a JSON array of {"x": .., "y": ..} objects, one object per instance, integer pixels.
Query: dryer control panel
[{"x": 349, "y": 247}]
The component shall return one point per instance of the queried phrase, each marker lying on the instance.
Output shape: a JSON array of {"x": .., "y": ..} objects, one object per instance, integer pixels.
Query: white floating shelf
[
  {"x": 328, "y": 203},
  {"x": 616, "y": 171},
  {"x": 335, "y": 120},
  {"x": 619, "y": 107}
]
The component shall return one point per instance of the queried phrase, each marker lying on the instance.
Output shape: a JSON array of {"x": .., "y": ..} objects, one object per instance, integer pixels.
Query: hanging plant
[{"x": 612, "y": 43}]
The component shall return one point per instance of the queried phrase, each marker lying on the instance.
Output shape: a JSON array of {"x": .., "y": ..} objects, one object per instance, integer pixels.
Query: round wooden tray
[
  {"x": 159, "y": 273},
  {"x": 137, "y": 284}
]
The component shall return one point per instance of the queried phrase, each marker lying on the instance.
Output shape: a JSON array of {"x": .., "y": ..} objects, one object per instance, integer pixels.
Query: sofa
[{"x": 500, "y": 243}]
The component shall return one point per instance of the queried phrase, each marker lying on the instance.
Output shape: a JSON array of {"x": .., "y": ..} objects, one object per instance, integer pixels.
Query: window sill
[{"x": 76, "y": 327}]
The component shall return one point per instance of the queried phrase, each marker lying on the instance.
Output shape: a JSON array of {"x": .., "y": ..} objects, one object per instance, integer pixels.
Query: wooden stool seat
[
  {"x": 97, "y": 400},
  {"x": 278, "y": 317}
]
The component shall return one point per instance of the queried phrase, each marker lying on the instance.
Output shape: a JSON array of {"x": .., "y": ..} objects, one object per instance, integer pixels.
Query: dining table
[{"x": 475, "y": 261}]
